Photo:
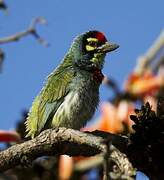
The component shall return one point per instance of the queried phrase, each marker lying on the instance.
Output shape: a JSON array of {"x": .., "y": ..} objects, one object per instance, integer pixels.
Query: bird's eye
[{"x": 92, "y": 43}]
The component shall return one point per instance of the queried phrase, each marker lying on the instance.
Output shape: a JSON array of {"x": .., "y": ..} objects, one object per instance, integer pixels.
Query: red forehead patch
[{"x": 100, "y": 36}]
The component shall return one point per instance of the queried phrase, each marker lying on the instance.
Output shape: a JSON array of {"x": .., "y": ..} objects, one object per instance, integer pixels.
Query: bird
[{"x": 70, "y": 94}]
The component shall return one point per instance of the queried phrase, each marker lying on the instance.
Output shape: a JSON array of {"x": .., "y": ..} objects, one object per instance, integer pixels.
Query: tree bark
[{"x": 55, "y": 142}]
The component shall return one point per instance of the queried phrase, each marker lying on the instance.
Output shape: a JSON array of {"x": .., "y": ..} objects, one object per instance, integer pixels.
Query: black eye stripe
[{"x": 93, "y": 43}]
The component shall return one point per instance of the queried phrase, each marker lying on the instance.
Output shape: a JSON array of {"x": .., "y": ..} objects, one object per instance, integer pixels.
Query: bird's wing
[{"x": 48, "y": 100}]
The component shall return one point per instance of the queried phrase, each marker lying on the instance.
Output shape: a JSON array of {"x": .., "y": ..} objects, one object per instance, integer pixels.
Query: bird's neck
[{"x": 93, "y": 71}]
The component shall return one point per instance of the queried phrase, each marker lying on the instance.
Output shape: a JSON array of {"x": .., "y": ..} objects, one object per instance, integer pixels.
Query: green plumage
[
  {"x": 70, "y": 94},
  {"x": 49, "y": 98}
]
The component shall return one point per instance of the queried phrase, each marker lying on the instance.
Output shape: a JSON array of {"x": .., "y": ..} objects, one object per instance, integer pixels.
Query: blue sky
[{"x": 134, "y": 25}]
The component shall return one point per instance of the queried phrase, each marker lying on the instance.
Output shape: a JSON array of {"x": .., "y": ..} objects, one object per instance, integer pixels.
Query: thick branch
[
  {"x": 53, "y": 142},
  {"x": 122, "y": 169},
  {"x": 30, "y": 30}
]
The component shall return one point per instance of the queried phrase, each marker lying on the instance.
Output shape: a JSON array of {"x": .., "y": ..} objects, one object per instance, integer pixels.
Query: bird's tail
[{"x": 32, "y": 119}]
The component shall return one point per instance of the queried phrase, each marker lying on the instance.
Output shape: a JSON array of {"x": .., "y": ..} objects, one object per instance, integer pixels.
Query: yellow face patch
[
  {"x": 90, "y": 48},
  {"x": 92, "y": 44},
  {"x": 92, "y": 40}
]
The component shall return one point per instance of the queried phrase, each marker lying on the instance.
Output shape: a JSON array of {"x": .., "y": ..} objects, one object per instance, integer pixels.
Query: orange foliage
[
  {"x": 145, "y": 84},
  {"x": 9, "y": 136},
  {"x": 65, "y": 167}
]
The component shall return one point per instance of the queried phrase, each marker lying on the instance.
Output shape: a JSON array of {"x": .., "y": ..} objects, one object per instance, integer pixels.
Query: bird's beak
[{"x": 107, "y": 47}]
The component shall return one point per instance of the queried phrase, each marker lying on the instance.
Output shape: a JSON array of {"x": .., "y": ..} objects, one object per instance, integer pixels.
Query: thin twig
[
  {"x": 31, "y": 30},
  {"x": 2, "y": 56},
  {"x": 3, "y": 5}
]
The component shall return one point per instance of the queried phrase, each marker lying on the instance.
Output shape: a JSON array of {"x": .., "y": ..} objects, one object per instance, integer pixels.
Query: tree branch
[
  {"x": 30, "y": 30},
  {"x": 122, "y": 168},
  {"x": 54, "y": 142},
  {"x": 3, "y": 5},
  {"x": 2, "y": 56}
]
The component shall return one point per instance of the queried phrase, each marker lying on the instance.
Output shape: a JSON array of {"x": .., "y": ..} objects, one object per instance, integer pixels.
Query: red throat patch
[{"x": 98, "y": 75}]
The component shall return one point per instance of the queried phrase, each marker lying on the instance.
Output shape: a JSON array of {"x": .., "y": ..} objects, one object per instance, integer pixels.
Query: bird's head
[{"x": 90, "y": 48}]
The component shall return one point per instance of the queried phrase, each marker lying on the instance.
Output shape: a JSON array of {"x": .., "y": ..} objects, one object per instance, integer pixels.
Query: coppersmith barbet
[{"x": 71, "y": 93}]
